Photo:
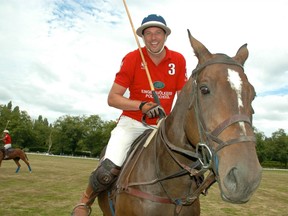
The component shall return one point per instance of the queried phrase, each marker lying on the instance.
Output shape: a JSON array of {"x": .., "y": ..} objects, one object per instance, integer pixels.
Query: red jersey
[
  {"x": 168, "y": 77},
  {"x": 7, "y": 139}
]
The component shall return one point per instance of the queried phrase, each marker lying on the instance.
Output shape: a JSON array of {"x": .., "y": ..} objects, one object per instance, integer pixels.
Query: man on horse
[
  {"x": 7, "y": 143},
  {"x": 168, "y": 72}
]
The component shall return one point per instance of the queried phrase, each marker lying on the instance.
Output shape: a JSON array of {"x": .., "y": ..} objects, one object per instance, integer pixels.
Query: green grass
[
  {"x": 270, "y": 199},
  {"x": 56, "y": 183}
]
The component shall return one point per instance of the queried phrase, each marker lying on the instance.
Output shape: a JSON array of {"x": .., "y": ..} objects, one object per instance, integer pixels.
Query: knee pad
[{"x": 104, "y": 175}]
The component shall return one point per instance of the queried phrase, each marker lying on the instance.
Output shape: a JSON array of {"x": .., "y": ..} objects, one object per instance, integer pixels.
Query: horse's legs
[
  {"x": 18, "y": 164},
  {"x": 25, "y": 159}
]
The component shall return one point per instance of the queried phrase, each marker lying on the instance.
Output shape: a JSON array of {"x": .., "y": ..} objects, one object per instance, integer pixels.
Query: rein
[{"x": 185, "y": 169}]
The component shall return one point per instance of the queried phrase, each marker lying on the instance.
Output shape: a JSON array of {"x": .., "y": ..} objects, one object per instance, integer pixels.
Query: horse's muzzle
[{"x": 239, "y": 185}]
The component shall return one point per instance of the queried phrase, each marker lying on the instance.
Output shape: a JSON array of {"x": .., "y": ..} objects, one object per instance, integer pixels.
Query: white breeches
[
  {"x": 7, "y": 146},
  {"x": 122, "y": 137}
]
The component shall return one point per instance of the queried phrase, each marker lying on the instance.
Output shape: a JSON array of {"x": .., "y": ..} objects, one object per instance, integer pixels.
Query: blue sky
[{"x": 60, "y": 57}]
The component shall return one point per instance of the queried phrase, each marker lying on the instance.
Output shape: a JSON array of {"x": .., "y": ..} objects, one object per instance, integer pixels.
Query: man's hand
[{"x": 151, "y": 109}]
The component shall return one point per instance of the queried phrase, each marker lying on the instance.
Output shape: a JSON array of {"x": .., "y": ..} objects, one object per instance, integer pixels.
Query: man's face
[{"x": 154, "y": 38}]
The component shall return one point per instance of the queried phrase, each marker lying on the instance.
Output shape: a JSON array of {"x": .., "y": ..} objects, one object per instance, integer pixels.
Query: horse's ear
[
  {"x": 201, "y": 52},
  {"x": 242, "y": 54}
]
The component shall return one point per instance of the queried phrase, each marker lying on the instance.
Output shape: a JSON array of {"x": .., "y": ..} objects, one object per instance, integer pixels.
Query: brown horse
[
  {"x": 16, "y": 154},
  {"x": 209, "y": 129}
]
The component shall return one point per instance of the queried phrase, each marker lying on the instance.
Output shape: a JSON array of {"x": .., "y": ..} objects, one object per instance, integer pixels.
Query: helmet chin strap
[{"x": 156, "y": 53}]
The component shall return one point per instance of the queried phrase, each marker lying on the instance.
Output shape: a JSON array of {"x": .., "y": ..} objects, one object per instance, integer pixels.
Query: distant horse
[
  {"x": 209, "y": 129},
  {"x": 16, "y": 154}
]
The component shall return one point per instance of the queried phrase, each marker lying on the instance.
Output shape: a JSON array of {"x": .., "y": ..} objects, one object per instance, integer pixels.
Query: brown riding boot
[
  {"x": 6, "y": 154},
  {"x": 84, "y": 206}
]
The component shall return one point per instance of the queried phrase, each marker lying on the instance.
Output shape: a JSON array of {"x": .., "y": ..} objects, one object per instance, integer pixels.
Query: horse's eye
[{"x": 204, "y": 90}]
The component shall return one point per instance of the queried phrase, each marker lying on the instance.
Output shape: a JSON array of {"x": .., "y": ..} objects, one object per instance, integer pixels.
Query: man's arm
[{"x": 117, "y": 100}]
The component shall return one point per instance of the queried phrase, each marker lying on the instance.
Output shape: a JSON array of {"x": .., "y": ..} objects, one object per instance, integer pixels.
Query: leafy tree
[
  {"x": 42, "y": 131},
  {"x": 260, "y": 146},
  {"x": 72, "y": 132},
  {"x": 97, "y": 134},
  {"x": 5, "y": 115},
  {"x": 22, "y": 129},
  {"x": 103, "y": 137},
  {"x": 280, "y": 141},
  {"x": 93, "y": 133},
  {"x": 20, "y": 125}
]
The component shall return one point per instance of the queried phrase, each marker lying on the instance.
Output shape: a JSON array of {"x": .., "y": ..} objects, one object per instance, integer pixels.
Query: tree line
[
  {"x": 68, "y": 135},
  {"x": 88, "y": 135}
]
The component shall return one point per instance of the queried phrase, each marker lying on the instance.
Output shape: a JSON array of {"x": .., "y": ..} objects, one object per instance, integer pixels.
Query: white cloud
[{"x": 60, "y": 57}]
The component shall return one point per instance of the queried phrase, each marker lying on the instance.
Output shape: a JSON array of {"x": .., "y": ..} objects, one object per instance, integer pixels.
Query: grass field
[{"x": 56, "y": 183}]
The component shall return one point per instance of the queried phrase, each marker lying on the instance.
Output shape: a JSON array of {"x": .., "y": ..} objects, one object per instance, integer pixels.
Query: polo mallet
[
  {"x": 155, "y": 96},
  {"x": 7, "y": 124}
]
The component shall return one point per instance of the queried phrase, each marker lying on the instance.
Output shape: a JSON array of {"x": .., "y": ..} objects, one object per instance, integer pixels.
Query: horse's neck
[
  {"x": 175, "y": 122},
  {"x": 174, "y": 129}
]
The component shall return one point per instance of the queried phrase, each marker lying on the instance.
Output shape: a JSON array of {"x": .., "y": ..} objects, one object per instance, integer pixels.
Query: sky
[{"x": 60, "y": 57}]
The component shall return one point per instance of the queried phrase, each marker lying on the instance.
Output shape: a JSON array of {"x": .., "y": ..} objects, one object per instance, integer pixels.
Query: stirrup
[{"x": 83, "y": 205}]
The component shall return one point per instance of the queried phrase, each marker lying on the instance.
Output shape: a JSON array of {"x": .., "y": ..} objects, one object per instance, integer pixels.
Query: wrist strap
[{"x": 142, "y": 104}]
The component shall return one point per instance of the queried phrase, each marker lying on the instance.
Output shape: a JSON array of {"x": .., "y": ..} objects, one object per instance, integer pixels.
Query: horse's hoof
[{"x": 81, "y": 210}]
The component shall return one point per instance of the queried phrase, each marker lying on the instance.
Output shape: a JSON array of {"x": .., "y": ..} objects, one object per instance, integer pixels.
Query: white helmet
[{"x": 6, "y": 131}]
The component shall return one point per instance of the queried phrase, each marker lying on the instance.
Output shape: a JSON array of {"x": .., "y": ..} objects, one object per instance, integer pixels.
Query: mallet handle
[{"x": 140, "y": 50}]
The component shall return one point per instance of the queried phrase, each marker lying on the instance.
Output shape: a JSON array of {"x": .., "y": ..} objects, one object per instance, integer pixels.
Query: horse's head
[{"x": 219, "y": 120}]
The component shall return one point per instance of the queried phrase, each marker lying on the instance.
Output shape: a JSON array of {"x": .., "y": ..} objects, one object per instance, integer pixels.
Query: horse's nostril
[{"x": 230, "y": 181}]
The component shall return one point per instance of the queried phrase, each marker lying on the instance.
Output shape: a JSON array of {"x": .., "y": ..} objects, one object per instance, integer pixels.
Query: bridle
[{"x": 209, "y": 155}]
